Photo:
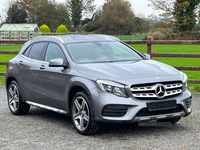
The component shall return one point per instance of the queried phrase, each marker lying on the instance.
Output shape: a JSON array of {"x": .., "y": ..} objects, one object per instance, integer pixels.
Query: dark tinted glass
[
  {"x": 54, "y": 51},
  {"x": 26, "y": 53},
  {"x": 37, "y": 51}
]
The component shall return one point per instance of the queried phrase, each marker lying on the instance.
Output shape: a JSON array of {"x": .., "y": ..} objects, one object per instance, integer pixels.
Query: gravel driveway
[{"x": 42, "y": 129}]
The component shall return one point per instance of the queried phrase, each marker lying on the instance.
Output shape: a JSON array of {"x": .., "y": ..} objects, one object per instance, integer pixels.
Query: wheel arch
[
  {"x": 75, "y": 88},
  {"x": 9, "y": 80}
]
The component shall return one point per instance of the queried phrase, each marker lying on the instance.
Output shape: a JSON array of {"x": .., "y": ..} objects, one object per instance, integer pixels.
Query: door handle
[
  {"x": 42, "y": 67},
  {"x": 20, "y": 63}
]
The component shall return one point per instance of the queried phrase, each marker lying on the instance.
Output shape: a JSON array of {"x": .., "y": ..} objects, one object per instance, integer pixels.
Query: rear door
[{"x": 30, "y": 64}]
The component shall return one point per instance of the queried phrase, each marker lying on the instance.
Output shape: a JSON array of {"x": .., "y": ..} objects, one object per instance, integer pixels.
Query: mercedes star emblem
[{"x": 160, "y": 91}]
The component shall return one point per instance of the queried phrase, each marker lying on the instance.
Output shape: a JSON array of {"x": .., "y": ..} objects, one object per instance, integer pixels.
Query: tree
[
  {"x": 117, "y": 17},
  {"x": 140, "y": 25},
  {"x": 184, "y": 14},
  {"x": 179, "y": 14},
  {"x": 16, "y": 14},
  {"x": 79, "y": 8},
  {"x": 46, "y": 11},
  {"x": 31, "y": 6}
]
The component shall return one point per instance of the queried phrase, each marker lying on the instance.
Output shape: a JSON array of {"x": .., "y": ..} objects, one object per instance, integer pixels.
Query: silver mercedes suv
[{"x": 95, "y": 79}]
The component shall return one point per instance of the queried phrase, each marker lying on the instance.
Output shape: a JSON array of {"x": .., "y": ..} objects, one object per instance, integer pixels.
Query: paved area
[{"x": 45, "y": 130}]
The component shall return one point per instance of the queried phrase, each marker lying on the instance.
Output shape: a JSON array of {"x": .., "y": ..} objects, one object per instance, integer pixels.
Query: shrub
[
  {"x": 62, "y": 29},
  {"x": 45, "y": 28},
  {"x": 178, "y": 36},
  {"x": 89, "y": 27},
  {"x": 96, "y": 23}
]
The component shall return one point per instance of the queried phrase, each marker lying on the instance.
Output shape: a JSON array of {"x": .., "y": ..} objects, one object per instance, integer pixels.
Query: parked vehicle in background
[{"x": 95, "y": 79}]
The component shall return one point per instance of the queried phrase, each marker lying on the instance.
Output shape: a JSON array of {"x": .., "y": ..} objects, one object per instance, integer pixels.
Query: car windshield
[{"x": 94, "y": 52}]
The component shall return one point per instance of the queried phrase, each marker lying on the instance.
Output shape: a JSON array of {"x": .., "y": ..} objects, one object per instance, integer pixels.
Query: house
[{"x": 19, "y": 31}]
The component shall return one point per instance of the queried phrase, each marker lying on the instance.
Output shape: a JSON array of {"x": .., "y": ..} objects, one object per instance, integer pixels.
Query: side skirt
[{"x": 46, "y": 107}]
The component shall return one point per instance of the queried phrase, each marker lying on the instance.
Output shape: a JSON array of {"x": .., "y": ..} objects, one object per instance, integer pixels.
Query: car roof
[{"x": 77, "y": 38}]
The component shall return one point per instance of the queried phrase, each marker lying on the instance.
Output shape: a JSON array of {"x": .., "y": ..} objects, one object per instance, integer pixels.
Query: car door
[
  {"x": 29, "y": 65},
  {"x": 53, "y": 80}
]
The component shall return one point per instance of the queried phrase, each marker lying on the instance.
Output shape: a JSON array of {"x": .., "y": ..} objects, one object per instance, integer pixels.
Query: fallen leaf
[
  {"x": 164, "y": 133},
  {"x": 156, "y": 137},
  {"x": 58, "y": 136},
  {"x": 58, "y": 145}
]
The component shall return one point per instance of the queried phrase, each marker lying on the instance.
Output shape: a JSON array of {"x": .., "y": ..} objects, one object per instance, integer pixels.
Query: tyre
[
  {"x": 15, "y": 103},
  {"x": 82, "y": 115},
  {"x": 172, "y": 120}
]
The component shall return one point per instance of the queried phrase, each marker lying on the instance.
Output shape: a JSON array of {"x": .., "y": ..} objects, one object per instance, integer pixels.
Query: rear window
[{"x": 36, "y": 51}]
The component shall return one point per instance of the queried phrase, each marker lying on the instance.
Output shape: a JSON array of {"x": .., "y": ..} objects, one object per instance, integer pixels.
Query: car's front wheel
[
  {"x": 15, "y": 103},
  {"x": 82, "y": 116}
]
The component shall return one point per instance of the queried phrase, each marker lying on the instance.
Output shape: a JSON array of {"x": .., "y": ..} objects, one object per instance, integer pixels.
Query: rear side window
[
  {"x": 26, "y": 53},
  {"x": 37, "y": 51},
  {"x": 54, "y": 51}
]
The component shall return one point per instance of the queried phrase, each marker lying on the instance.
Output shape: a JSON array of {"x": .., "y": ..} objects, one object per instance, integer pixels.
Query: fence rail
[{"x": 150, "y": 42}]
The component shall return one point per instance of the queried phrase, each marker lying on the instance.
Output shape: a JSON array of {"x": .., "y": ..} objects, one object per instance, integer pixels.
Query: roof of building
[{"x": 20, "y": 27}]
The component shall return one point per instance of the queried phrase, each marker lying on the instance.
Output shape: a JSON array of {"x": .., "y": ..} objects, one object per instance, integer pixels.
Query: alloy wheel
[
  {"x": 80, "y": 113},
  {"x": 13, "y": 98}
]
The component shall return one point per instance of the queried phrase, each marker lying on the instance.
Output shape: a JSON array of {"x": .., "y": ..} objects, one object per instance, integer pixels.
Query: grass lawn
[
  {"x": 187, "y": 49},
  {"x": 14, "y": 47},
  {"x": 130, "y": 37}
]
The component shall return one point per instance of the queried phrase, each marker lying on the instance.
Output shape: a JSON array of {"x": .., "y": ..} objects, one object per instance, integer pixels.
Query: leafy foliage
[
  {"x": 45, "y": 28},
  {"x": 46, "y": 11},
  {"x": 179, "y": 14},
  {"x": 62, "y": 29},
  {"x": 184, "y": 15},
  {"x": 178, "y": 36},
  {"x": 79, "y": 8},
  {"x": 117, "y": 17},
  {"x": 89, "y": 27},
  {"x": 140, "y": 25},
  {"x": 16, "y": 14}
]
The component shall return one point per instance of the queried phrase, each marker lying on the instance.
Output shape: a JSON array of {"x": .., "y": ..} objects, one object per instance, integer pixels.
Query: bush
[
  {"x": 45, "y": 28},
  {"x": 62, "y": 29},
  {"x": 96, "y": 23},
  {"x": 178, "y": 36},
  {"x": 89, "y": 27}
]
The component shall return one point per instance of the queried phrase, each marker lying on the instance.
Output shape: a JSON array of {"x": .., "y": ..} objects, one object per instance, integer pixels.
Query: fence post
[
  {"x": 20, "y": 37},
  {"x": 149, "y": 45}
]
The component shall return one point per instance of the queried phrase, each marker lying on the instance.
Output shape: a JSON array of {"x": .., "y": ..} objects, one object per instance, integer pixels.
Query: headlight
[
  {"x": 112, "y": 87},
  {"x": 184, "y": 81}
]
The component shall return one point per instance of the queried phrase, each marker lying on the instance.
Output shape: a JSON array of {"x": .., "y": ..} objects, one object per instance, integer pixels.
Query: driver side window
[{"x": 54, "y": 51}]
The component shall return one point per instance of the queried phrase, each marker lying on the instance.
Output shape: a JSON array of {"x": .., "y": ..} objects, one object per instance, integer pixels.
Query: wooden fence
[{"x": 150, "y": 42}]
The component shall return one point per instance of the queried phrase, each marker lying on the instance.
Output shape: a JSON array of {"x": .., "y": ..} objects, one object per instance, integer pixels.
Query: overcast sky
[{"x": 139, "y": 6}]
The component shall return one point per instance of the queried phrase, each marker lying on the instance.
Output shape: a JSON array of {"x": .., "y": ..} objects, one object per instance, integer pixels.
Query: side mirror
[
  {"x": 147, "y": 56},
  {"x": 58, "y": 62}
]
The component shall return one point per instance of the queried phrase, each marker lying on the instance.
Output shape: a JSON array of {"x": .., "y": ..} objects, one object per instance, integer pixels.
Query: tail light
[{"x": 7, "y": 64}]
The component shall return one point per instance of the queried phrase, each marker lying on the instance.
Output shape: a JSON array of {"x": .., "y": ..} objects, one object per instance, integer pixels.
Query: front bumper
[{"x": 136, "y": 109}]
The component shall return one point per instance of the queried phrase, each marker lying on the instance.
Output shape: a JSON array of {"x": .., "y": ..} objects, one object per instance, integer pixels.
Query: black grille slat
[{"x": 114, "y": 110}]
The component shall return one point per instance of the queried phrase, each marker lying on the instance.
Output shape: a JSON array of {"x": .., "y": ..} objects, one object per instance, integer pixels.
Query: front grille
[
  {"x": 157, "y": 90},
  {"x": 114, "y": 110}
]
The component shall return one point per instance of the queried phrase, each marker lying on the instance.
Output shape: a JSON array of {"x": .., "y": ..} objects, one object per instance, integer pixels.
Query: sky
[{"x": 138, "y": 6}]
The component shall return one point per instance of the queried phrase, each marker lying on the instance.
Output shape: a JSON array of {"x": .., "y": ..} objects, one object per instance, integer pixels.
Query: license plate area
[{"x": 156, "y": 106}]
